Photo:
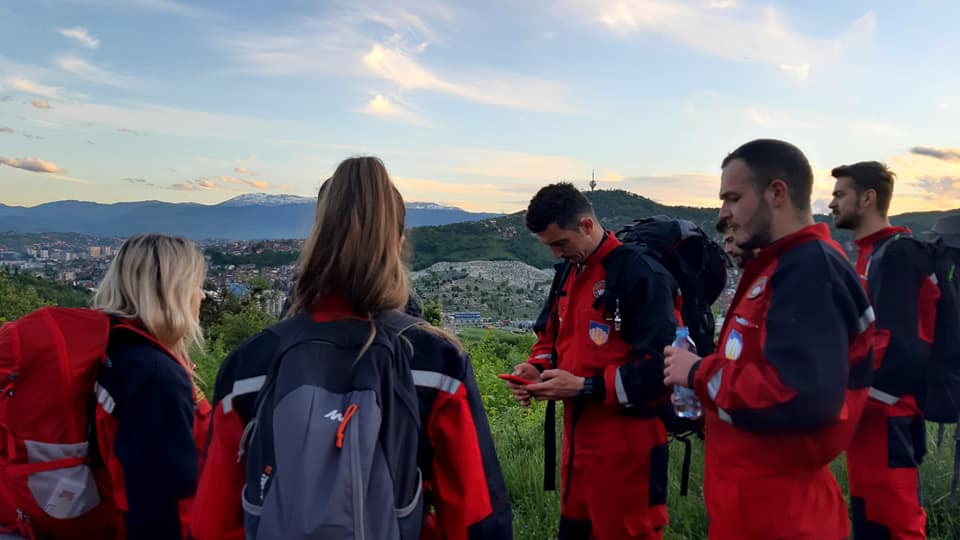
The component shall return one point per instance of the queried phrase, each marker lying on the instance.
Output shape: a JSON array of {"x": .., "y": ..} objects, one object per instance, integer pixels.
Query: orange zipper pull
[{"x": 347, "y": 415}]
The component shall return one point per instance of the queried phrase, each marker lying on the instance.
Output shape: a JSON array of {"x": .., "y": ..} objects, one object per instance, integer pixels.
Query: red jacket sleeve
[{"x": 467, "y": 488}]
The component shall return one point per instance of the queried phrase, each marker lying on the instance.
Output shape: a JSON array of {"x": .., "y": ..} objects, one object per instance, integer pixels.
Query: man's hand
[
  {"x": 558, "y": 384},
  {"x": 677, "y": 364},
  {"x": 520, "y": 392}
]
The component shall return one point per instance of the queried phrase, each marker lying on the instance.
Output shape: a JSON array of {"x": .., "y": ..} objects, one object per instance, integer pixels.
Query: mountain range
[
  {"x": 437, "y": 233},
  {"x": 247, "y": 217}
]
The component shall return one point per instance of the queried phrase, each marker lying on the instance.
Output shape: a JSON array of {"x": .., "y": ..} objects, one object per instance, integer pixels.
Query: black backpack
[
  {"x": 333, "y": 447},
  {"x": 697, "y": 263},
  {"x": 939, "y": 393}
]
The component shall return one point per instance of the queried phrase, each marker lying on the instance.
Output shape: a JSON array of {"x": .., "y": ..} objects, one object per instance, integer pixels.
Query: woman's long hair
[
  {"x": 153, "y": 279},
  {"x": 355, "y": 248}
]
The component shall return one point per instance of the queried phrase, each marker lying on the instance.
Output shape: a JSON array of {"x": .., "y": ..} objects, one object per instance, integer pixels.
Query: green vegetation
[{"x": 21, "y": 294}]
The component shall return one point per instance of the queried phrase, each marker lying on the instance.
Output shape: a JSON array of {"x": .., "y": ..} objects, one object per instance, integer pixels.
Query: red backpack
[{"x": 58, "y": 477}]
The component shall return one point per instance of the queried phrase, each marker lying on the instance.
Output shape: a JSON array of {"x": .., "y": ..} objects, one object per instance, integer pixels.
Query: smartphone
[{"x": 514, "y": 378}]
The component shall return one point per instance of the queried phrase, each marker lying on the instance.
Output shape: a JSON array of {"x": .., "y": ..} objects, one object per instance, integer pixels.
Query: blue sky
[{"x": 475, "y": 104}]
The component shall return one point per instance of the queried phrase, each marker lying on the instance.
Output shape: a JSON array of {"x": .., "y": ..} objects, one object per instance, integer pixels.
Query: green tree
[
  {"x": 433, "y": 313},
  {"x": 17, "y": 300}
]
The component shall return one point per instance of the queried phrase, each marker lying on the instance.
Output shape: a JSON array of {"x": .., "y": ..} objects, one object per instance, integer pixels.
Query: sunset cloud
[
  {"x": 31, "y": 164},
  {"x": 41, "y": 104}
]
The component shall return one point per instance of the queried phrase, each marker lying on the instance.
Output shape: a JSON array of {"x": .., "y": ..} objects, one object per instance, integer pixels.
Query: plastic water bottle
[{"x": 685, "y": 402}]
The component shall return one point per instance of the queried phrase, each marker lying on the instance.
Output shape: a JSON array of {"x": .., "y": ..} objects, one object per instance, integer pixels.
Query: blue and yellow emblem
[
  {"x": 734, "y": 346},
  {"x": 599, "y": 332}
]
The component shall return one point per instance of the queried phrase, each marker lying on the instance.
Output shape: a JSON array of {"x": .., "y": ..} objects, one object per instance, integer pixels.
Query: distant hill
[
  {"x": 247, "y": 217},
  {"x": 506, "y": 237}
]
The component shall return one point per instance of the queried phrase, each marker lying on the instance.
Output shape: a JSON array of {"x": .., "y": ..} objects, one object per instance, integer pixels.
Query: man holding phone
[{"x": 599, "y": 349}]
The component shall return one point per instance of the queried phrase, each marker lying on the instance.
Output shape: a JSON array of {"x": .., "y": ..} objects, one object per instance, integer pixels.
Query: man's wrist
[{"x": 593, "y": 388}]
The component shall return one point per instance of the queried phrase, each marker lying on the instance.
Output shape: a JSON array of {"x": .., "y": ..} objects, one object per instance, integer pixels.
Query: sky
[{"x": 472, "y": 104}]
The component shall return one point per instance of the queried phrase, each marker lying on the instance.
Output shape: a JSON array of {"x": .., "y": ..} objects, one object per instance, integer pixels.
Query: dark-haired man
[
  {"x": 883, "y": 460},
  {"x": 784, "y": 391},
  {"x": 599, "y": 349},
  {"x": 740, "y": 256}
]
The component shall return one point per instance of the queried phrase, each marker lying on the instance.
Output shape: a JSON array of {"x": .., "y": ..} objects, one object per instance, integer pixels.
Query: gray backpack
[{"x": 333, "y": 449}]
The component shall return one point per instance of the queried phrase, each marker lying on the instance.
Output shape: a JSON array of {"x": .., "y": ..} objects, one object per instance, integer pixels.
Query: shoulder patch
[{"x": 757, "y": 288}]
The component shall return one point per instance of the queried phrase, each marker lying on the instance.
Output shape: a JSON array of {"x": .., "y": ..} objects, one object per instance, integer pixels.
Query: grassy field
[{"x": 518, "y": 434}]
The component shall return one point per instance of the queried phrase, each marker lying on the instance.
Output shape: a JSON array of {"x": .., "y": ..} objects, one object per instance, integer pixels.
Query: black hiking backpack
[
  {"x": 695, "y": 260},
  {"x": 938, "y": 394},
  {"x": 333, "y": 448}
]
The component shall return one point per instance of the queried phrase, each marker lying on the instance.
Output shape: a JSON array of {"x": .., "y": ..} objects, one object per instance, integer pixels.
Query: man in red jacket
[
  {"x": 890, "y": 443},
  {"x": 599, "y": 349},
  {"x": 784, "y": 391}
]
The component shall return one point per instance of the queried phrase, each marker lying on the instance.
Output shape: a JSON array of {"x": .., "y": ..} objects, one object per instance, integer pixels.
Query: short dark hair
[
  {"x": 769, "y": 159},
  {"x": 559, "y": 203},
  {"x": 870, "y": 175}
]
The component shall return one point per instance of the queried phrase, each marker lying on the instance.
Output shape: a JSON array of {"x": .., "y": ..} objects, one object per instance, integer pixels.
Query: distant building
[
  {"x": 94, "y": 251},
  {"x": 466, "y": 318}
]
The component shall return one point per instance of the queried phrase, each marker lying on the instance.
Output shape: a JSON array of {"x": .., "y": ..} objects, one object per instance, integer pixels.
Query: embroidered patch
[
  {"x": 599, "y": 332},
  {"x": 734, "y": 345},
  {"x": 599, "y": 288},
  {"x": 758, "y": 287}
]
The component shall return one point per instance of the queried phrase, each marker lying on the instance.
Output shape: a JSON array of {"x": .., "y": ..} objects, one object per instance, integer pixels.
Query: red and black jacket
[
  {"x": 149, "y": 422},
  {"x": 462, "y": 478},
  {"x": 612, "y": 333},
  {"x": 898, "y": 274},
  {"x": 789, "y": 381}
]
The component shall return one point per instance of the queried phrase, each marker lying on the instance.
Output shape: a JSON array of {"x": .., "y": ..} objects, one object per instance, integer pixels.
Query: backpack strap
[{"x": 550, "y": 415}]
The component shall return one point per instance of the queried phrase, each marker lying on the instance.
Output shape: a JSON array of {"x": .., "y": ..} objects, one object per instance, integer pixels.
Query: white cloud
[
  {"x": 40, "y": 104},
  {"x": 387, "y": 43},
  {"x": 30, "y": 87},
  {"x": 490, "y": 87},
  {"x": 385, "y": 107},
  {"x": 82, "y": 35},
  {"x": 720, "y": 28},
  {"x": 31, "y": 164},
  {"x": 92, "y": 73}
]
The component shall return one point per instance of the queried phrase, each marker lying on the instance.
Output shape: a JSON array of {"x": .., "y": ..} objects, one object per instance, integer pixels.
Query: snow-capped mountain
[{"x": 266, "y": 199}]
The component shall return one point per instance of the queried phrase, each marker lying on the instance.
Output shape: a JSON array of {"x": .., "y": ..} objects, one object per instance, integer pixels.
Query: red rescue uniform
[{"x": 784, "y": 392}]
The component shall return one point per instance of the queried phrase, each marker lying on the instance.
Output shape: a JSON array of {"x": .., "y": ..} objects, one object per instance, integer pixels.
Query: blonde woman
[
  {"x": 150, "y": 420},
  {"x": 434, "y": 435}
]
